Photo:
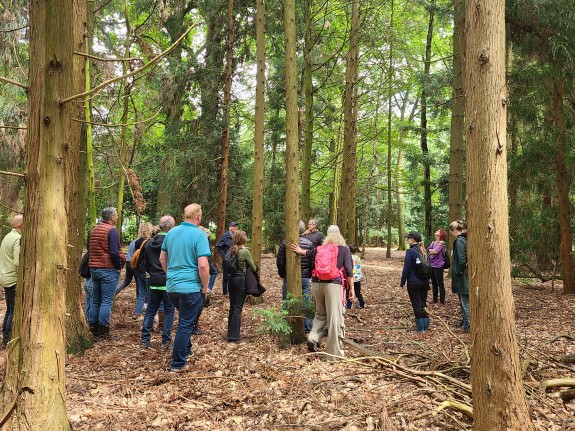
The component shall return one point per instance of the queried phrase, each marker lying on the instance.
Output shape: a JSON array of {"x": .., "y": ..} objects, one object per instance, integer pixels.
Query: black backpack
[
  {"x": 85, "y": 267},
  {"x": 229, "y": 262},
  {"x": 423, "y": 268},
  {"x": 446, "y": 259}
]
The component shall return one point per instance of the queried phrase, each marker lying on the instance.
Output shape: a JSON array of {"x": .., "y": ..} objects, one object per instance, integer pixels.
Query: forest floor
[{"x": 256, "y": 385}]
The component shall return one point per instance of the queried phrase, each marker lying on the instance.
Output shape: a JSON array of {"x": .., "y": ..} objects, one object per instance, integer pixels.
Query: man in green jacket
[{"x": 9, "y": 262}]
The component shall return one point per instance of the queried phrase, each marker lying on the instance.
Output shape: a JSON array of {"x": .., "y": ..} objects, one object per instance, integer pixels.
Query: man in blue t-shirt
[{"x": 184, "y": 258}]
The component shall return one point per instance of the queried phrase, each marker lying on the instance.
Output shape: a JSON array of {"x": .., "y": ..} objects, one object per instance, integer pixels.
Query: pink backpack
[{"x": 326, "y": 263}]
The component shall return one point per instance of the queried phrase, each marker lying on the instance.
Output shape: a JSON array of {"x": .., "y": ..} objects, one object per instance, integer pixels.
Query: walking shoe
[
  {"x": 197, "y": 331},
  {"x": 144, "y": 344},
  {"x": 167, "y": 345},
  {"x": 178, "y": 370},
  {"x": 312, "y": 346}
]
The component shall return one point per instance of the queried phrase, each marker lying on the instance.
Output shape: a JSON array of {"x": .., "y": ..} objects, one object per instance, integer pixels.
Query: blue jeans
[
  {"x": 464, "y": 301},
  {"x": 143, "y": 294},
  {"x": 189, "y": 306},
  {"x": 306, "y": 296},
  {"x": 10, "y": 294},
  {"x": 158, "y": 297},
  {"x": 212, "y": 280},
  {"x": 89, "y": 293},
  {"x": 104, "y": 281}
]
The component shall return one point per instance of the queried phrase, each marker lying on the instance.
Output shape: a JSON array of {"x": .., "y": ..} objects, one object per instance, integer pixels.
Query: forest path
[{"x": 257, "y": 385}]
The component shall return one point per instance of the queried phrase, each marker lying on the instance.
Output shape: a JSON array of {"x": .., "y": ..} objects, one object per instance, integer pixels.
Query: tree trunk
[
  {"x": 563, "y": 203},
  {"x": 78, "y": 336},
  {"x": 389, "y": 113},
  {"x": 346, "y": 210},
  {"x": 34, "y": 390},
  {"x": 124, "y": 121},
  {"x": 423, "y": 124},
  {"x": 91, "y": 187},
  {"x": 225, "y": 141},
  {"x": 308, "y": 121},
  {"x": 498, "y": 394},
  {"x": 293, "y": 265},
  {"x": 457, "y": 142},
  {"x": 258, "y": 204}
]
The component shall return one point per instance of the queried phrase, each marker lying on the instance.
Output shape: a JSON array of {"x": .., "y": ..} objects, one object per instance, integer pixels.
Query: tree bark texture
[
  {"x": 389, "y": 113},
  {"x": 34, "y": 390},
  {"x": 225, "y": 141},
  {"x": 308, "y": 120},
  {"x": 423, "y": 123},
  {"x": 497, "y": 386},
  {"x": 78, "y": 337},
  {"x": 346, "y": 209},
  {"x": 457, "y": 142},
  {"x": 293, "y": 265},
  {"x": 126, "y": 94},
  {"x": 258, "y": 198},
  {"x": 562, "y": 178}
]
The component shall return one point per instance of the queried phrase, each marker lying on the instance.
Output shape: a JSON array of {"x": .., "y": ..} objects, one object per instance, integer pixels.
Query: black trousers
[
  {"x": 437, "y": 285},
  {"x": 237, "y": 290},
  {"x": 418, "y": 296}
]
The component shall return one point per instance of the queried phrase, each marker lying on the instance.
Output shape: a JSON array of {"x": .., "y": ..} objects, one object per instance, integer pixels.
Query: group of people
[
  {"x": 173, "y": 270},
  {"x": 417, "y": 280}
]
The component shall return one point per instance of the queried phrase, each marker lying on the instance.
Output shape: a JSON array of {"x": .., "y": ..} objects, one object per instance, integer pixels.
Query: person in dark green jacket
[{"x": 459, "y": 280}]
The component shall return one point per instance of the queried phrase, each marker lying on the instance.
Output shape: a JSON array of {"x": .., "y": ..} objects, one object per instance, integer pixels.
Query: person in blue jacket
[{"x": 417, "y": 286}]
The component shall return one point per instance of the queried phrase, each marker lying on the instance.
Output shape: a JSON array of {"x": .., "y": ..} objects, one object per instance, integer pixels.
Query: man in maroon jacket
[{"x": 106, "y": 261}]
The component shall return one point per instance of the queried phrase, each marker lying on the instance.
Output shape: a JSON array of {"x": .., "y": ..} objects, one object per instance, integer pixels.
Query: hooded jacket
[
  {"x": 459, "y": 280},
  {"x": 152, "y": 264}
]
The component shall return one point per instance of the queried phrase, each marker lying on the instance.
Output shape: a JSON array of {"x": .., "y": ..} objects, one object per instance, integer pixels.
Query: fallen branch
[
  {"x": 12, "y": 174},
  {"x": 558, "y": 337},
  {"x": 556, "y": 383},
  {"x": 538, "y": 274},
  {"x": 456, "y": 405}
]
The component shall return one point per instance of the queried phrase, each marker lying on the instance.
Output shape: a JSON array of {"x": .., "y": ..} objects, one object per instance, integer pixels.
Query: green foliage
[{"x": 274, "y": 325}]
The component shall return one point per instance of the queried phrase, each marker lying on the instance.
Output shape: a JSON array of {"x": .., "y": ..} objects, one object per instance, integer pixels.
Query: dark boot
[
  {"x": 103, "y": 331},
  {"x": 419, "y": 325},
  {"x": 425, "y": 323},
  {"x": 94, "y": 329}
]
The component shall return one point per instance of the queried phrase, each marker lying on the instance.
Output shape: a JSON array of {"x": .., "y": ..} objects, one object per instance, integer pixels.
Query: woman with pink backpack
[{"x": 333, "y": 264}]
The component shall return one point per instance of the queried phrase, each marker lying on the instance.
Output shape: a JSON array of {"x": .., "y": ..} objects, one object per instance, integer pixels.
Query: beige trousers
[{"x": 328, "y": 313}]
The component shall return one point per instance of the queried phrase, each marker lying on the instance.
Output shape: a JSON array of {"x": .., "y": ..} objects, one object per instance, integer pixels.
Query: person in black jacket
[
  {"x": 306, "y": 268},
  {"x": 158, "y": 294},
  {"x": 313, "y": 234},
  {"x": 223, "y": 245},
  {"x": 417, "y": 286}
]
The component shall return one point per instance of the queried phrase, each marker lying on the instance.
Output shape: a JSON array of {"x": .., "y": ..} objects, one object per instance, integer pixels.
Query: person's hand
[
  {"x": 307, "y": 232},
  {"x": 297, "y": 249}
]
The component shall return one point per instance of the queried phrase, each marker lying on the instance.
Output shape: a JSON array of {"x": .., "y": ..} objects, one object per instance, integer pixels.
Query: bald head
[
  {"x": 17, "y": 221},
  {"x": 193, "y": 214},
  {"x": 166, "y": 223}
]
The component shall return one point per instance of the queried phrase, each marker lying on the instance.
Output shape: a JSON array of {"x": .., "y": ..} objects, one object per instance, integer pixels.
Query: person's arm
[
  {"x": 164, "y": 260},
  {"x": 461, "y": 246},
  {"x": 432, "y": 251},
  {"x": 248, "y": 258},
  {"x": 204, "y": 270},
  {"x": 297, "y": 249},
  {"x": 406, "y": 267},
  {"x": 16, "y": 252},
  {"x": 114, "y": 247}
]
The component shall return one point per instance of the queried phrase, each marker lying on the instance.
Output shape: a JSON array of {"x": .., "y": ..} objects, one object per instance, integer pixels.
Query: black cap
[
  {"x": 414, "y": 235},
  {"x": 232, "y": 223}
]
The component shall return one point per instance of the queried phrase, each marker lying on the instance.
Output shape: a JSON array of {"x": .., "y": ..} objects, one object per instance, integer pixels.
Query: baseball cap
[
  {"x": 414, "y": 235},
  {"x": 232, "y": 223}
]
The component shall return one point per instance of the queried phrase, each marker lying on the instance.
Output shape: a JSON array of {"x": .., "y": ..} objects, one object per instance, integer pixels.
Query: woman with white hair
[{"x": 332, "y": 263}]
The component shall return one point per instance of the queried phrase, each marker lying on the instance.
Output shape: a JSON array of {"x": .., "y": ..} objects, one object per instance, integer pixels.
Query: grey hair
[
  {"x": 301, "y": 227},
  {"x": 166, "y": 223},
  {"x": 314, "y": 222},
  {"x": 333, "y": 229},
  {"x": 108, "y": 213}
]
